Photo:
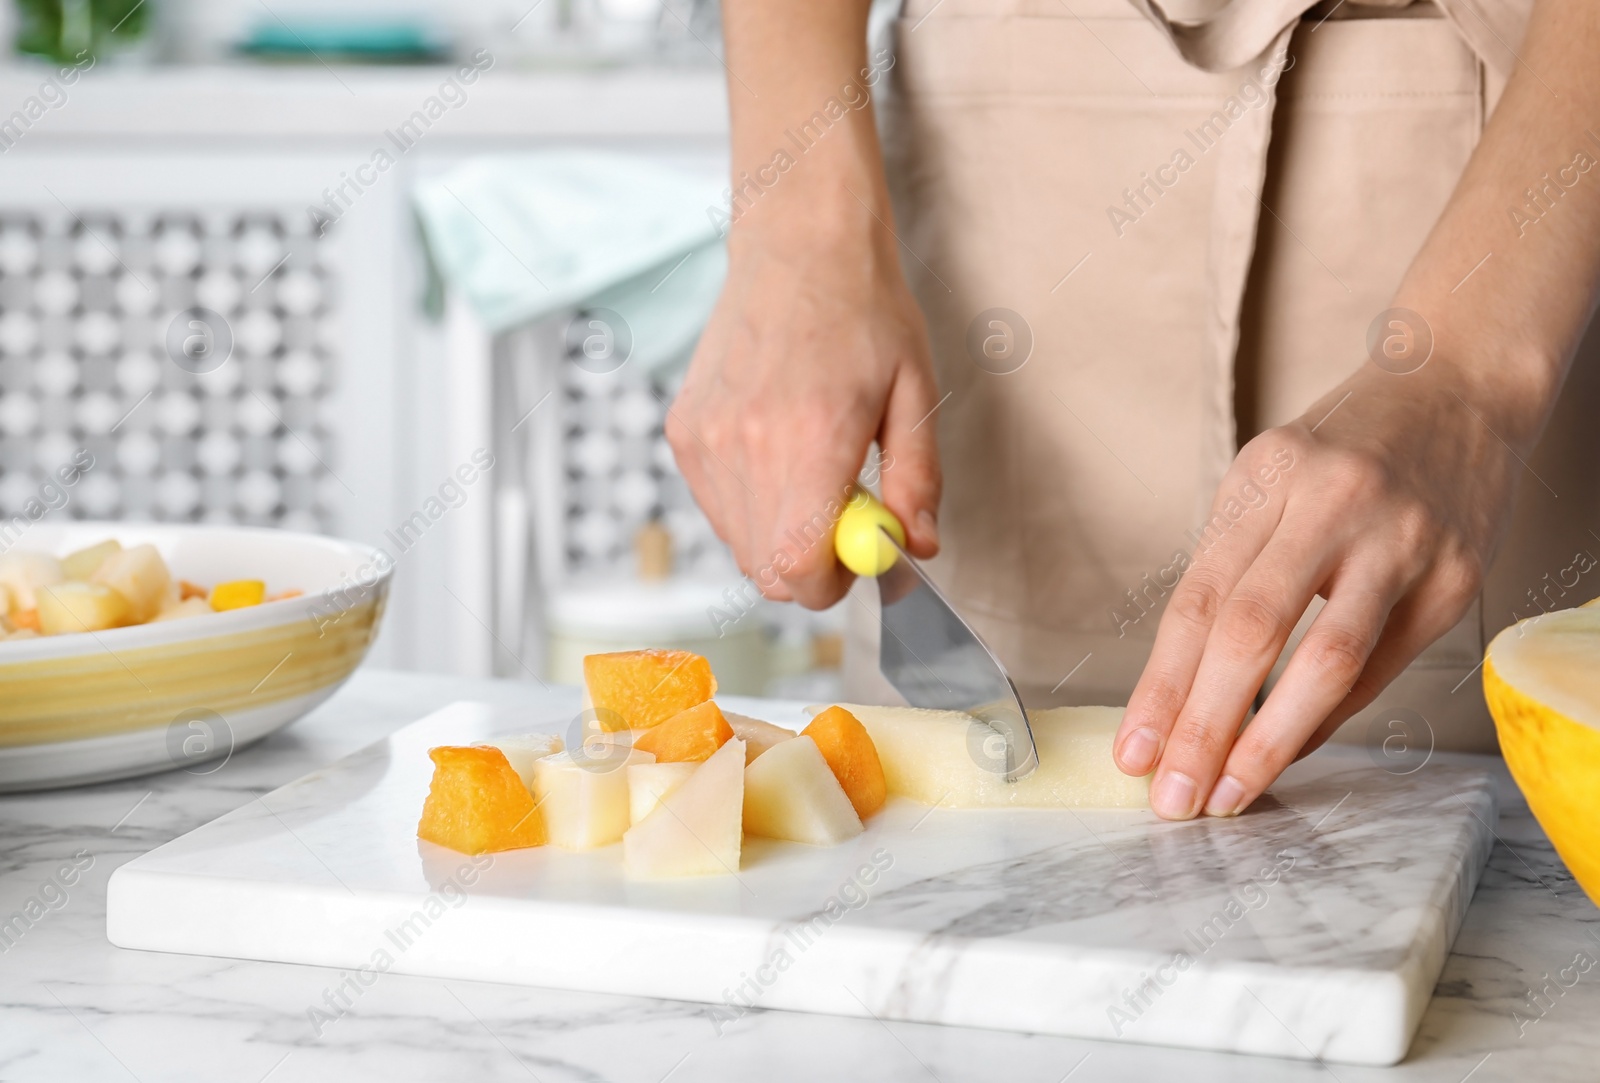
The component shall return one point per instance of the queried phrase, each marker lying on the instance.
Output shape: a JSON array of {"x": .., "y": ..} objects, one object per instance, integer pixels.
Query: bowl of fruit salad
[{"x": 130, "y": 648}]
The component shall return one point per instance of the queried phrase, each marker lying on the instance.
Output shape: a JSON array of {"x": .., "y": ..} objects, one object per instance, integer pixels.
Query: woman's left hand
[{"x": 1387, "y": 498}]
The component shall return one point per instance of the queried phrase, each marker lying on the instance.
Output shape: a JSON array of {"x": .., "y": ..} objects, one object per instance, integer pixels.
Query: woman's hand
[
  {"x": 816, "y": 348},
  {"x": 1398, "y": 493},
  {"x": 1387, "y": 499}
]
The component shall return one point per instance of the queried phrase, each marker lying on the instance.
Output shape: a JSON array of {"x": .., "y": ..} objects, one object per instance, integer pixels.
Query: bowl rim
[{"x": 228, "y": 622}]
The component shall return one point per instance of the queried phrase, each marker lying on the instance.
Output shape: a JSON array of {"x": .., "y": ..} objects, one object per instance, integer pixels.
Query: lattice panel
[
  {"x": 89, "y": 358},
  {"x": 621, "y": 473}
]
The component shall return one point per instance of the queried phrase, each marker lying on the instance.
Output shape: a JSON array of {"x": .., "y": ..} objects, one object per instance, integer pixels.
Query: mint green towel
[{"x": 523, "y": 236}]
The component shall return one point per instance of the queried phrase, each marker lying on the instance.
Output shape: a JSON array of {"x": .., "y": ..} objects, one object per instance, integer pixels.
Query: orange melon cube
[
  {"x": 846, "y": 745},
  {"x": 687, "y": 737},
  {"x": 635, "y": 690},
  {"x": 477, "y": 804}
]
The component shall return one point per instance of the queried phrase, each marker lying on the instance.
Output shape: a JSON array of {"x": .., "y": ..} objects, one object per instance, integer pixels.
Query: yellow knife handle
[{"x": 856, "y": 538}]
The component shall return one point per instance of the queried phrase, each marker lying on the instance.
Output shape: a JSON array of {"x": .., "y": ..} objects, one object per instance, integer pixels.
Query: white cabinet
[{"x": 340, "y": 407}]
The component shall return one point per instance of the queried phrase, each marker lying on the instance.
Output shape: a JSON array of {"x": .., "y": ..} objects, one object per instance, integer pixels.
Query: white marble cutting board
[{"x": 1313, "y": 927}]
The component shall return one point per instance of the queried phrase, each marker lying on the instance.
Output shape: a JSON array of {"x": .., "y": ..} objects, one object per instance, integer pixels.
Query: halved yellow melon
[{"x": 1542, "y": 680}]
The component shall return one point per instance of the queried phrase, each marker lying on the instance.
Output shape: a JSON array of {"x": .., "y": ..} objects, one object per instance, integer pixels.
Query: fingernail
[
  {"x": 1226, "y": 798},
  {"x": 1139, "y": 751},
  {"x": 927, "y": 526},
  {"x": 1172, "y": 796}
]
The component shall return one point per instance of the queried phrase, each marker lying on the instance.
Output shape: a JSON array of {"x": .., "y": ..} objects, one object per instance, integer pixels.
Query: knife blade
[{"x": 931, "y": 655}]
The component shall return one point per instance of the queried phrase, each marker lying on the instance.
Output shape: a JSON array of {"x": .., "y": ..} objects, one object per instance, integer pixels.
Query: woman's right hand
[{"x": 815, "y": 349}]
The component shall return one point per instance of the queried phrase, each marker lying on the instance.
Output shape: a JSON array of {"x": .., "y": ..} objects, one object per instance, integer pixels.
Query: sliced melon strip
[{"x": 935, "y": 757}]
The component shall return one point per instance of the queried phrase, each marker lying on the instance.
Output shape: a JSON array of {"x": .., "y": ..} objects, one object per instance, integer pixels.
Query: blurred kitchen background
[{"x": 299, "y": 264}]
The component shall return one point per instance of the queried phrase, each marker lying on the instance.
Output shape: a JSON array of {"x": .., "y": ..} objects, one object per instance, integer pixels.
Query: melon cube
[
  {"x": 698, "y": 828},
  {"x": 648, "y": 783},
  {"x": 85, "y": 562},
  {"x": 689, "y": 736},
  {"x": 848, "y": 748},
  {"x": 641, "y": 689},
  {"x": 81, "y": 607},
  {"x": 476, "y": 804},
  {"x": 23, "y": 573},
  {"x": 791, "y": 793},
  {"x": 188, "y": 607},
  {"x": 238, "y": 594},
  {"x": 139, "y": 575},
  {"x": 522, "y": 750},
  {"x": 585, "y": 798},
  {"x": 758, "y": 736}
]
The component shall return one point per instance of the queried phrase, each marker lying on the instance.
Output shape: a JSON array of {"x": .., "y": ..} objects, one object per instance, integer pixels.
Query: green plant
[{"x": 69, "y": 30}]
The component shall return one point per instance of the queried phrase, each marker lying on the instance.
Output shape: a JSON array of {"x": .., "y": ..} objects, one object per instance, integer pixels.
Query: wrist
[
  {"x": 1509, "y": 377},
  {"x": 830, "y": 199}
]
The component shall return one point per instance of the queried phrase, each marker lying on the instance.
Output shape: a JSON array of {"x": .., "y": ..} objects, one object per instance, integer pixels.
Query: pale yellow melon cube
[
  {"x": 648, "y": 783},
  {"x": 697, "y": 829},
  {"x": 179, "y": 610},
  {"x": 584, "y": 799},
  {"x": 23, "y": 573},
  {"x": 81, "y": 607},
  {"x": 523, "y": 750},
  {"x": 758, "y": 736},
  {"x": 791, "y": 793},
  {"x": 139, "y": 575},
  {"x": 83, "y": 563}
]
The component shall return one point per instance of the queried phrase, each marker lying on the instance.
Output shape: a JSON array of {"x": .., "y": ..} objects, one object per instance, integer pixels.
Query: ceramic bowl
[{"x": 186, "y": 693}]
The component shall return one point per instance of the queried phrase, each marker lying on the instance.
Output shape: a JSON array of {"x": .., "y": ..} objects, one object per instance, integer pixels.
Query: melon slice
[
  {"x": 640, "y": 689},
  {"x": 584, "y": 799},
  {"x": 849, "y": 751},
  {"x": 758, "y": 736},
  {"x": 648, "y": 783},
  {"x": 523, "y": 749},
  {"x": 1543, "y": 689},
  {"x": 937, "y": 757},
  {"x": 697, "y": 829},
  {"x": 139, "y": 575},
  {"x": 476, "y": 804},
  {"x": 689, "y": 736},
  {"x": 791, "y": 793}
]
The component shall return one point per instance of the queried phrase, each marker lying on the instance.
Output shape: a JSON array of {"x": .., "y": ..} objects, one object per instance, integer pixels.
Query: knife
[{"x": 931, "y": 656}]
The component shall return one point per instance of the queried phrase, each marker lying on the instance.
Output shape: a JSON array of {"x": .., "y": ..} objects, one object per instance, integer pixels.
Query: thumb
[{"x": 910, "y": 466}]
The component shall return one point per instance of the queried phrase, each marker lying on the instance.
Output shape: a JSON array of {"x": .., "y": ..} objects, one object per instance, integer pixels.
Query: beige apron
[{"x": 1196, "y": 248}]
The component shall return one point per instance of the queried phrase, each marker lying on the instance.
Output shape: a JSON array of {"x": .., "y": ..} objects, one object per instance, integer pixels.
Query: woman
[{"x": 1276, "y": 301}]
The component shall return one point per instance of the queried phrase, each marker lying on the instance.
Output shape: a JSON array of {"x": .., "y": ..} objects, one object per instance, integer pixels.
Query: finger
[
  {"x": 1250, "y": 631},
  {"x": 911, "y": 476},
  {"x": 811, "y": 573},
  {"x": 1221, "y": 560},
  {"x": 1429, "y": 610},
  {"x": 1321, "y": 674},
  {"x": 810, "y": 500}
]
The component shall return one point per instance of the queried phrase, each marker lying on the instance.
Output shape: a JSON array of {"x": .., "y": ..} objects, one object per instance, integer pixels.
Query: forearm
[
  {"x": 805, "y": 155},
  {"x": 1507, "y": 280}
]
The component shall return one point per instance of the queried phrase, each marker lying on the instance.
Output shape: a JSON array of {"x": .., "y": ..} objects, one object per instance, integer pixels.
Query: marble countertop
[{"x": 1515, "y": 1001}]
